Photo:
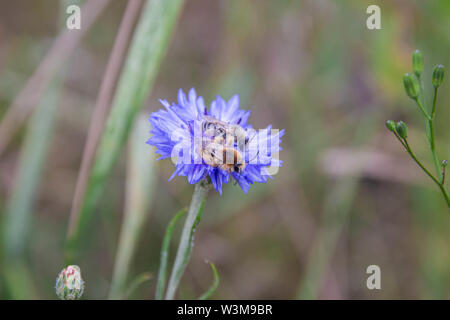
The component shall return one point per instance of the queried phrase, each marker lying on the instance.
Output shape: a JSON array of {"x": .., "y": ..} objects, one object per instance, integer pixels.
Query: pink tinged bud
[{"x": 69, "y": 284}]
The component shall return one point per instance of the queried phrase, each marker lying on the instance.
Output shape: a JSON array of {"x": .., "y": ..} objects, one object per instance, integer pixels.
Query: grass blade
[
  {"x": 161, "y": 282},
  {"x": 139, "y": 195},
  {"x": 103, "y": 103},
  {"x": 147, "y": 49},
  {"x": 214, "y": 285},
  {"x": 59, "y": 52},
  {"x": 18, "y": 215}
]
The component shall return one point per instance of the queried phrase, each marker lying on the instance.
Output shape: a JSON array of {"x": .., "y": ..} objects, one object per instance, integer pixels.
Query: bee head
[{"x": 238, "y": 167}]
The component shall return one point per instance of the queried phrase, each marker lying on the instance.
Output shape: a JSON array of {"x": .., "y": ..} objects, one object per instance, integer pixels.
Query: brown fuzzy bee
[
  {"x": 226, "y": 158},
  {"x": 224, "y": 133}
]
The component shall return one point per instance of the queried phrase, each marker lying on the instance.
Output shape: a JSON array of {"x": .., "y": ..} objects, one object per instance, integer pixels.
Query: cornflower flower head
[{"x": 215, "y": 143}]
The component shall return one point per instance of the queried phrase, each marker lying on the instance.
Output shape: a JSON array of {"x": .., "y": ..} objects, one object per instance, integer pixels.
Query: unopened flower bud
[
  {"x": 438, "y": 75},
  {"x": 417, "y": 62},
  {"x": 69, "y": 284},
  {"x": 444, "y": 163},
  {"x": 390, "y": 124},
  {"x": 402, "y": 129},
  {"x": 411, "y": 85}
]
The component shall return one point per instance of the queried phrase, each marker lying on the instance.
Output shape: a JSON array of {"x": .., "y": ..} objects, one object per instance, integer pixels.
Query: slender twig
[
  {"x": 433, "y": 110},
  {"x": 422, "y": 108},
  {"x": 103, "y": 105},
  {"x": 65, "y": 43},
  {"x": 440, "y": 185},
  {"x": 432, "y": 140},
  {"x": 400, "y": 139},
  {"x": 411, "y": 153},
  {"x": 421, "y": 91}
]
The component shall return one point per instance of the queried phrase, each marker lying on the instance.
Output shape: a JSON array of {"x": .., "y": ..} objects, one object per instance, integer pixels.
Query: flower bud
[
  {"x": 444, "y": 163},
  {"x": 417, "y": 62},
  {"x": 390, "y": 124},
  {"x": 402, "y": 129},
  {"x": 438, "y": 75},
  {"x": 69, "y": 284},
  {"x": 411, "y": 85}
]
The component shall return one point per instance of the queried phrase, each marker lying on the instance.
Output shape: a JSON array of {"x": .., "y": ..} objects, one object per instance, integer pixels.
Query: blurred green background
[{"x": 347, "y": 196}]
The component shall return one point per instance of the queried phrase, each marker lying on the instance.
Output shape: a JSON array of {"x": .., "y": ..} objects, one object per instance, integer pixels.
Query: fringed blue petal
[{"x": 174, "y": 126}]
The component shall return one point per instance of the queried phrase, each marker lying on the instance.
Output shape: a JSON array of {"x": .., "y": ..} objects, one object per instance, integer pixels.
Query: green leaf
[
  {"x": 214, "y": 285},
  {"x": 147, "y": 49},
  {"x": 161, "y": 282}
]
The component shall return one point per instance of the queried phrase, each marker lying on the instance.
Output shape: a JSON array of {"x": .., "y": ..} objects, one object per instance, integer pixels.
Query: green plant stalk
[
  {"x": 214, "y": 285},
  {"x": 421, "y": 92},
  {"x": 147, "y": 49},
  {"x": 432, "y": 140},
  {"x": 436, "y": 162},
  {"x": 430, "y": 131},
  {"x": 139, "y": 195},
  {"x": 161, "y": 281},
  {"x": 186, "y": 241},
  {"x": 422, "y": 108},
  {"x": 440, "y": 185}
]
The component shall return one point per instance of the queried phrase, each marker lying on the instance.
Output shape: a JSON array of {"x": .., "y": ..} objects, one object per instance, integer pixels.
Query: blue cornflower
[{"x": 182, "y": 131}]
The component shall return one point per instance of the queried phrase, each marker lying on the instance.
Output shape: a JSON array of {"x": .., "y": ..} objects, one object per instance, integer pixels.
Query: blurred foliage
[{"x": 310, "y": 67}]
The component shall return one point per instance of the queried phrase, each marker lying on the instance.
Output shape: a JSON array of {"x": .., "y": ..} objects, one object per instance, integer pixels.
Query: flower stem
[
  {"x": 440, "y": 185},
  {"x": 431, "y": 138},
  {"x": 422, "y": 108},
  {"x": 186, "y": 240}
]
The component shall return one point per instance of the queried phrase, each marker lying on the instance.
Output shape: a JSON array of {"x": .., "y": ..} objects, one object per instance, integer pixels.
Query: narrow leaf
[
  {"x": 214, "y": 285},
  {"x": 161, "y": 282}
]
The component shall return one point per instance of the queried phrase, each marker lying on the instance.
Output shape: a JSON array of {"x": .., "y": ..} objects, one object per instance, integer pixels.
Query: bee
[
  {"x": 236, "y": 165},
  {"x": 224, "y": 133},
  {"x": 214, "y": 128},
  {"x": 223, "y": 145},
  {"x": 224, "y": 157}
]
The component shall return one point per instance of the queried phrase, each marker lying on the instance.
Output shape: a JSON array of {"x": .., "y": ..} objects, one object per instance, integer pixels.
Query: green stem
[
  {"x": 431, "y": 140},
  {"x": 185, "y": 245},
  {"x": 433, "y": 148},
  {"x": 421, "y": 92},
  {"x": 434, "y": 103},
  {"x": 421, "y": 107},
  {"x": 440, "y": 185}
]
